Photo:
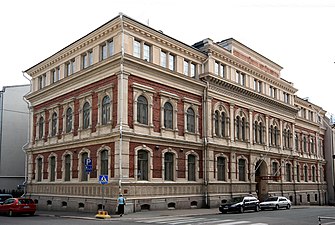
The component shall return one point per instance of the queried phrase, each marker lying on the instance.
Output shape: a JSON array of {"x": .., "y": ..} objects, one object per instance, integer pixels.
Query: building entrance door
[{"x": 261, "y": 172}]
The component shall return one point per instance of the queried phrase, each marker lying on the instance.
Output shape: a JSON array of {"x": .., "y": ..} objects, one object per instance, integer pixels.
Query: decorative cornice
[
  {"x": 229, "y": 89},
  {"x": 164, "y": 40}
]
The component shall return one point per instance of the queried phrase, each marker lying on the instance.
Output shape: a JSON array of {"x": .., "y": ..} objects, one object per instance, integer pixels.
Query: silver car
[{"x": 276, "y": 202}]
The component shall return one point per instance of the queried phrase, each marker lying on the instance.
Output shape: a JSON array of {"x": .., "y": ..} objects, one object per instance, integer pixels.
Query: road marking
[
  {"x": 235, "y": 222},
  {"x": 196, "y": 221}
]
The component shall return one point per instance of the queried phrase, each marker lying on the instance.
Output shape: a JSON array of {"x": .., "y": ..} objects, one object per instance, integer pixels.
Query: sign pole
[{"x": 102, "y": 190}]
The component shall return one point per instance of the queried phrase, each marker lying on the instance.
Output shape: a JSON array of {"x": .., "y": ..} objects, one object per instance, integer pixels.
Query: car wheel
[
  {"x": 241, "y": 210},
  {"x": 277, "y": 207},
  {"x": 257, "y": 208},
  {"x": 32, "y": 213},
  {"x": 10, "y": 213},
  {"x": 224, "y": 212},
  {"x": 288, "y": 206}
]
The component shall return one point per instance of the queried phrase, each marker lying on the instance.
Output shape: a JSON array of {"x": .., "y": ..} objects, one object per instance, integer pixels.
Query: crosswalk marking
[
  {"x": 197, "y": 221},
  {"x": 234, "y": 223}
]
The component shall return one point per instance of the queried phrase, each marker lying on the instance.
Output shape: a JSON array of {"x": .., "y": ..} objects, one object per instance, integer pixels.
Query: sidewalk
[{"x": 131, "y": 216}]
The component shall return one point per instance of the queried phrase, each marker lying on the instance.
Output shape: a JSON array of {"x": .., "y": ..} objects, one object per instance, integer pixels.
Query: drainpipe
[
  {"x": 121, "y": 103},
  {"x": 205, "y": 97},
  {"x": 28, "y": 140},
  {"x": 1, "y": 118},
  {"x": 205, "y": 139}
]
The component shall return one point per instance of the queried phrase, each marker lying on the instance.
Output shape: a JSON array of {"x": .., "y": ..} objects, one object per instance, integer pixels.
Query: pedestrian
[{"x": 121, "y": 202}]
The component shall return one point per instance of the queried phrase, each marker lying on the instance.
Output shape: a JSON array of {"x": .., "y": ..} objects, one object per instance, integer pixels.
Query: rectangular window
[
  {"x": 146, "y": 52},
  {"x": 42, "y": 81},
  {"x": 90, "y": 58},
  {"x": 193, "y": 70},
  {"x": 107, "y": 49},
  {"x": 222, "y": 71},
  {"x": 103, "y": 51},
  {"x": 137, "y": 49},
  {"x": 84, "y": 60},
  {"x": 258, "y": 86},
  {"x": 172, "y": 62},
  {"x": 241, "y": 170},
  {"x": 286, "y": 98},
  {"x": 216, "y": 68},
  {"x": 273, "y": 92},
  {"x": 163, "y": 59},
  {"x": 240, "y": 78},
  {"x": 70, "y": 67},
  {"x": 87, "y": 59},
  {"x": 185, "y": 67}
]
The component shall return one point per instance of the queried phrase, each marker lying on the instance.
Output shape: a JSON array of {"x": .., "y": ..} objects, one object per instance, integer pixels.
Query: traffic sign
[
  {"x": 103, "y": 179},
  {"x": 88, "y": 168},
  {"x": 88, "y": 162}
]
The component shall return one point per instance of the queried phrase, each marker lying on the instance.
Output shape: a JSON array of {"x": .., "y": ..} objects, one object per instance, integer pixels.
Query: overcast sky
[{"x": 299, "y": 35}]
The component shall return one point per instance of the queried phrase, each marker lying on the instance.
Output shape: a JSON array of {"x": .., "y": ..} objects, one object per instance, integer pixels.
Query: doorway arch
[{"x": 261, "y": 172}]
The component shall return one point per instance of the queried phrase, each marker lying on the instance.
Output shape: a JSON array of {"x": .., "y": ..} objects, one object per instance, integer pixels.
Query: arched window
[
  {"x": 216, "y": 123},
  {"x": 68, "y": 120},
  {"x": 306, "y": 173},
  {"x": 241, "y": 170},
  {"x": 238, "y": 130},
  {"x": 142, "y": 110},
  {"x": 190, "y": 115},
  {"x": 86, "y": 115},
  {"x": 54, "y": 124},
  {"x": 67, "y": 167},
  {"x": 223, "y": 124},
  {"x": 221, "y": 168},
  {"x": 39, "y": 169},
  {"x": 243, "y": 129},
  {"x": 40, "y": 127},
  {"x": 305, "y": 143},
  {"x": 288, "y": 172},
  {"x": 168, "y": 166},
  {"x": 296, "y": 142},
  {"x": 142, "y": 165},
  {"x": 261, "y": 132},
  {"x": 256, "y": 137},
  {"x": 276, "y": 136},
  {"x": 313, "y": 174},
  {"x": 104, "y": 162},
  {"x": 275, "y": 171},
  {"x": 312, "y": 144},
  {"x": 168, "y": 115},
  {"x": 84, "y": 175},
  {"x": 52, "y": 164},
  {"x": 298, "y": 173},
  {"x": 105, "y": 110},
  {"x": 191, "y": 167}
]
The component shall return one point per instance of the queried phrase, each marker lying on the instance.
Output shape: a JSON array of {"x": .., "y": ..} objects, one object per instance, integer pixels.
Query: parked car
[
  {"x": 18, "y": 206},
  {"x": 3, "y": 197},
  {"x": 240, "y": 204},
  {"x": 276, "y": 202}
]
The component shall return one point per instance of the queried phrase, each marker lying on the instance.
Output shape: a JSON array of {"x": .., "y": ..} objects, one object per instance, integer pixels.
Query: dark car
[
  {"x": 240, "y": 204},
  {"x": 3, "y": 197},
  {"x": 18, "y": 206}
]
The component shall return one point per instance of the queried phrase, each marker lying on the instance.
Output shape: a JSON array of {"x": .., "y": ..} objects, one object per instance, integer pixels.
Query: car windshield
[
  {"x": 271, "y": 199},
  {"x": 235, "y": 200},
  {"x": 26, "y": 201}
]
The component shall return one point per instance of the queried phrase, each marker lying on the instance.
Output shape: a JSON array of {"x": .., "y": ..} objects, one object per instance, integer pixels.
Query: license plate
[
  {"x": 26, "y": 207},
  {"x": 226, "y": 207}
]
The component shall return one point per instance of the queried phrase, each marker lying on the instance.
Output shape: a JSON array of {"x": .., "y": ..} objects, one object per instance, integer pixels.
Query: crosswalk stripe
[
  {"x": 196, "y": 221},
  {"x": 234, "y": 223},
  {"x": 161, "y": 220},
  {"x": 209, "y": 221}
]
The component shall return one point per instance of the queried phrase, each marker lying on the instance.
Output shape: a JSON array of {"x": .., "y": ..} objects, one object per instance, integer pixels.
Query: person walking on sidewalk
[{"x": 121, "y": 202}]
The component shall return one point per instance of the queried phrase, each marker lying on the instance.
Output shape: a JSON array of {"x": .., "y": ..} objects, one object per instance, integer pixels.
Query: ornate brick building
[{"x": 171, "y": 125}]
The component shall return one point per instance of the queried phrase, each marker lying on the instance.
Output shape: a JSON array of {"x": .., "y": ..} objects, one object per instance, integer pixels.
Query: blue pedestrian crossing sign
[{"x": 103, "y": 179}]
